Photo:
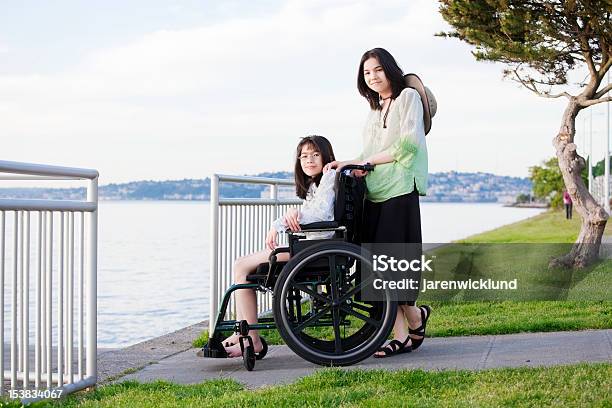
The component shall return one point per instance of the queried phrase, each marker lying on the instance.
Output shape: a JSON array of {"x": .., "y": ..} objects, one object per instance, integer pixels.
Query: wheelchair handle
[{"x": 362, "y": 167}]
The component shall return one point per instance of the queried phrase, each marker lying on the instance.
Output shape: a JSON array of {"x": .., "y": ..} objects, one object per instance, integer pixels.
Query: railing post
[
  {"x": 22, "y": 236},
  {"x": 92, "y": 268},
  {"x": 214, "y": 247},
  {"x": 274, "y": 196}
]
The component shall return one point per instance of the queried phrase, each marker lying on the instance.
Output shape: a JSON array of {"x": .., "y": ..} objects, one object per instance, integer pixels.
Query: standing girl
[{"x": 394, "y": 141}]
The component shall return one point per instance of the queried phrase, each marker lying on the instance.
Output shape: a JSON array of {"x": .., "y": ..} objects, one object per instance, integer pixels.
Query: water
[
  {"x": 153, "y": 260},
  {"x": 444, "y": 222},
  {"x": 152, "y": 269}
]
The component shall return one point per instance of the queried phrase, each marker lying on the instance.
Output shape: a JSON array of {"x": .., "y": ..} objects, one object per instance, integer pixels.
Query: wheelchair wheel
[
  {"x": 249, "y": 358},
  {"x": 333, "y": 326}
]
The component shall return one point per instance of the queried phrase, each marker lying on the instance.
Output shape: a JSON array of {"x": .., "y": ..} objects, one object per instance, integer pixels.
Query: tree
[
  {"x": 541, "y": 42},
  {"x": 548, "y": 181},
  {"x": 599, "y": 168},
  {"x": 523, "y": 198}
]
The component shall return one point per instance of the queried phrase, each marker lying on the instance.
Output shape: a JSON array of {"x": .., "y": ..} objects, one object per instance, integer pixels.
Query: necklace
[
  {"x": 386, "y": 113},
  {"x": 381, "y": 100}
]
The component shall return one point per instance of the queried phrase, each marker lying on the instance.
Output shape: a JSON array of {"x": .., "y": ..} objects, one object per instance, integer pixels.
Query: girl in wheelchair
[{"x": 317, "y": 189}]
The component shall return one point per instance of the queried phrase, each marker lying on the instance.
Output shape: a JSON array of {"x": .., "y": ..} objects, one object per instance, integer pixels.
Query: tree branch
[
  {"x": 591, "y": 102},
  {"x": 530, "y": 84},
  {"x": 604, "y": 68},
  {"x": 589, "y": 61},
  {"x": 586, "y": 50},
  {"x": 545, "y": 95},
  {"x": 604, "y": 91}
]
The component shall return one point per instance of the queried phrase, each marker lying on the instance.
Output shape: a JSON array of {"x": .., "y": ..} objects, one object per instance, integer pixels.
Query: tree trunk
[{"x": 585, "y": 250}]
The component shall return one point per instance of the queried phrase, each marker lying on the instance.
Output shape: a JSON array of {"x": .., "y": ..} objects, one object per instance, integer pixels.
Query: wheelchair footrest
[{"x": 213, "y": 349}]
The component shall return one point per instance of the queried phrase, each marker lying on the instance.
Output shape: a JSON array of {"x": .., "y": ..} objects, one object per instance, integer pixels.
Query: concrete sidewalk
[{"x": 281, "y": 365}]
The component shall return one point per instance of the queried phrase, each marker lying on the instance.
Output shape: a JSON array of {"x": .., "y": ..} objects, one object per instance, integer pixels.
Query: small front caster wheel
[{"x": 248, "y": 357}]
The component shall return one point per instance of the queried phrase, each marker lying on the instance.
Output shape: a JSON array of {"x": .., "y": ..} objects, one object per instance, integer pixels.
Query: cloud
[{"x": 234, "y": 96}]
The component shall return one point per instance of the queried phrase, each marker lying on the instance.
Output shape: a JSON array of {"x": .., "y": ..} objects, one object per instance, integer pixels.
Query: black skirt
[{"x": 396, "y": 220}]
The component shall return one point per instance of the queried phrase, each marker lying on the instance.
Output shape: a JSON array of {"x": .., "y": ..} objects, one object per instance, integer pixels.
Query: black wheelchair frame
[{"x": 325, "y": 275}]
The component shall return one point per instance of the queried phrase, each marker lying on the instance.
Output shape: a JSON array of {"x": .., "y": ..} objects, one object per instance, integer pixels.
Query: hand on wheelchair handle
[
  {"x": 356, "y": 172},
  {"x": 331, "y": 165}
]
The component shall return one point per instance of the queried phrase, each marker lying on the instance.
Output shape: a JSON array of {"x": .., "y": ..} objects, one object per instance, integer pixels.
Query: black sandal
[
  {"x": 264, "y": 350},
  {"x": 420, "y": 331},
  {"x": 395, "y": 347}
]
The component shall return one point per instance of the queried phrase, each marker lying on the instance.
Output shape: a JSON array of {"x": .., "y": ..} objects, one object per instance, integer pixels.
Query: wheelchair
[{"x": 317, "y": 306}]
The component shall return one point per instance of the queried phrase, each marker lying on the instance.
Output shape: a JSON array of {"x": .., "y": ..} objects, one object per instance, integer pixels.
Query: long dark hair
[
  {"x": 393, "y": 72},
  {"x": 302, "y": 180}
]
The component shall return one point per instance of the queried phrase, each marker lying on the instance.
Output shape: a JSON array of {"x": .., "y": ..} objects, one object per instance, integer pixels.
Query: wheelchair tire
[
  {"x": 342, "y": 350},
  {"x": 248, "y": 357}
]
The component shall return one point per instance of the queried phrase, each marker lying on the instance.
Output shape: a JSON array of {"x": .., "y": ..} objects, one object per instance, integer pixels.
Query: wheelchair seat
[
  {"x": 316, "y": 269},
  {"x": 261, "y": 273}
]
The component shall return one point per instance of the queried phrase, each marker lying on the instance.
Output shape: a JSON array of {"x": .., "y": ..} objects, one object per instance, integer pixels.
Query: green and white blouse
[{"x": 404, "y": 139}]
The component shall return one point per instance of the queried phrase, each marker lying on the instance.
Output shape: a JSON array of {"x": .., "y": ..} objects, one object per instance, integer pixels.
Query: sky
[{"x": 163, "y": 90}]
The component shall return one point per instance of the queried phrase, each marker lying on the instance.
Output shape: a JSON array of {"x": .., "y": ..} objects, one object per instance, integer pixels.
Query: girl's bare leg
[
  {"x": 413, "y": 314},
  {"x": 400, "y": 329},
  {"x": 246, "y": 299}
]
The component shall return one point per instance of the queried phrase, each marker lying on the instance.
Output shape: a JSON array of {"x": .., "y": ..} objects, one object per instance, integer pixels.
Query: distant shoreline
[
  {"x": 527, "y": 205},
  {"x": 452, "y": 187},
  {"x": 134, "y": 200}
]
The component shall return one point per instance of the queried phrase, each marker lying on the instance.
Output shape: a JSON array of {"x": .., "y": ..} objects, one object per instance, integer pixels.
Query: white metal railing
[
  {"x": 598, "y": 190},
  {"x": 238, "y": 227},
  {"x": 48, "y": 254}
]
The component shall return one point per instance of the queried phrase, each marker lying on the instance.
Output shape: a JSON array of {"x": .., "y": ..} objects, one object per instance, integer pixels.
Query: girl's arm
[
  {"x": 321, "y": 206},
  {"x": 411, "y": 134},
  {"x": 279, "y": 224},
  {"x": 379, "y": 158}
]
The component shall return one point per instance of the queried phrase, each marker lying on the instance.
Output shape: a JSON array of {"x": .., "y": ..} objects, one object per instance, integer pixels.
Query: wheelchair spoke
[
  {"x": 356, "y": 289},
  {"x": 333, "y": 273},
  {"x": 312, "y": 319},
  {"x": 365, "y": 318},
  {"x": 337, "y": 335},
  {"x": 304, "y": 288},
  {"x": 359, "y": 306}
]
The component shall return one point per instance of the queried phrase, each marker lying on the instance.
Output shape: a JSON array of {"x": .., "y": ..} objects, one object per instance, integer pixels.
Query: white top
[
  {"x": 318, "y": 206},
  {"x": 404, "y": 140}
]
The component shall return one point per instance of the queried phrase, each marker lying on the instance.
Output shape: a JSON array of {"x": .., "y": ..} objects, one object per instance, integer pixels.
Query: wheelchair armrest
[
  {"x": 301, "y": 233},
  {"x": 272, "y": 262},
  {"x": 275, "y": 251},
  {"x": 319, "y": 225}
]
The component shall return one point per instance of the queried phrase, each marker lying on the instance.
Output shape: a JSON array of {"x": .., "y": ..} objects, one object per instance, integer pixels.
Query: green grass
[
  {"x": 548, "y": 227},
  {"x": 575, "y": 385},
  {"x": 460, "y": 317}
]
